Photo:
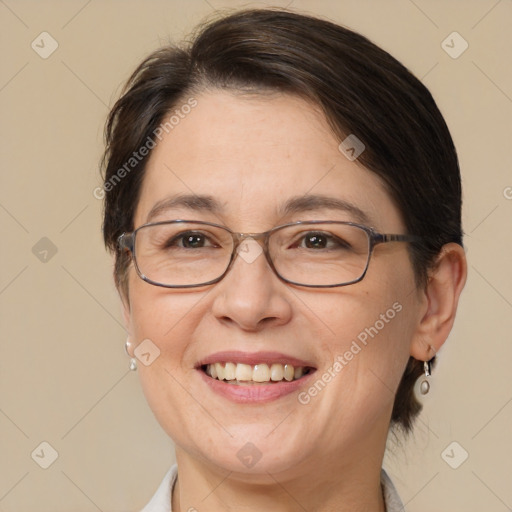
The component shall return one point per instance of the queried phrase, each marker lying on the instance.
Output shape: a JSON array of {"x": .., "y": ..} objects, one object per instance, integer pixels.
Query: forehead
[{"x": 254, "y": 153}]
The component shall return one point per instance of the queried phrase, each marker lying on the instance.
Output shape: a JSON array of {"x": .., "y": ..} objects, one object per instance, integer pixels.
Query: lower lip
[{"x": 258, "y": 393}]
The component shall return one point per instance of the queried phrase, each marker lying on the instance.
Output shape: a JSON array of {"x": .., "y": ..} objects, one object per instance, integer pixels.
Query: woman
[{"x": 283, "y": 200}]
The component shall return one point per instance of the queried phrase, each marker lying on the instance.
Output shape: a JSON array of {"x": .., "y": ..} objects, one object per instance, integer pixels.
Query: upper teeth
[{"x": 257, "y": 373}]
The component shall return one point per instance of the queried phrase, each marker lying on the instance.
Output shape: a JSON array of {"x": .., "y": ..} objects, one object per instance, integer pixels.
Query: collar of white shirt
[{"x": 161, "y": 501}]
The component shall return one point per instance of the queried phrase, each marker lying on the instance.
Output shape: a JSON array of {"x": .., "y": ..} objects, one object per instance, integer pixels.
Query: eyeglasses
[{"x": 315, "y": 254}]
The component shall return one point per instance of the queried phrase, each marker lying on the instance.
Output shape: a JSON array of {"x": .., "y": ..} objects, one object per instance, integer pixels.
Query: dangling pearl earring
[
  {"x": 133, "y": 361},
  {"x": 425, "y": 383}
]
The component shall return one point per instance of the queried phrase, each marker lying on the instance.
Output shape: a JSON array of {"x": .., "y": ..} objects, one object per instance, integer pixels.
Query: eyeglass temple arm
[
  {"x": 380, "y": 238},
  {"x": 125, "y": 241}
]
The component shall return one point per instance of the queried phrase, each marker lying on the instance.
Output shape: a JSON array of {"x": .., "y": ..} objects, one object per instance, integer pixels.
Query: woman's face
[{"x": 251, "y": 155}]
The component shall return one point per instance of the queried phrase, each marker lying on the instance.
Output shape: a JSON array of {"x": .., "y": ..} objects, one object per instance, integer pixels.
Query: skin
[{"x": 252, "y": 153}]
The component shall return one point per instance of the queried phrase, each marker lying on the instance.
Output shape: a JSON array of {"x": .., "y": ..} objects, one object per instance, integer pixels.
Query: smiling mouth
[{"x": 246, "y": 374}]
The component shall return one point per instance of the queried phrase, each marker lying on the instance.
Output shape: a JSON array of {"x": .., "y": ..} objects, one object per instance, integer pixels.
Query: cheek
[
  {"x": 166, "y": 318},
  {"x": 158, "y": 315},
  {"x": 368, "y": 343},
  {"x": 169, "y": 320},
  {"x": 371, "y": 339}
]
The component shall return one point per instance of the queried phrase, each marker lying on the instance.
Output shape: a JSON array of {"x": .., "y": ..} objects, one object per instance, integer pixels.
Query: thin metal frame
[{"x": 127, "y": 241}]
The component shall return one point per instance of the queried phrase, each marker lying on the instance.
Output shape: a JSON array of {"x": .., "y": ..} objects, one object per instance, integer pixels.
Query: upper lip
[{"x": 253, "y": 358}]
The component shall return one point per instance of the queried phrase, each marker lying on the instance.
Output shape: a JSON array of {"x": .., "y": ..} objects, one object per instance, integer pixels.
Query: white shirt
[{"x": 161, "y": 501}]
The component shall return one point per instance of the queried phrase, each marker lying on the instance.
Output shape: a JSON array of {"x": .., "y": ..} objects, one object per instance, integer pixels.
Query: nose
[{"x": 251, "y": 296}]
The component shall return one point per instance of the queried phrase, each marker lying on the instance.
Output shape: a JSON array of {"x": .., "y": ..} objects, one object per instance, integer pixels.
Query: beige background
[{"x": 63, "y": 372}]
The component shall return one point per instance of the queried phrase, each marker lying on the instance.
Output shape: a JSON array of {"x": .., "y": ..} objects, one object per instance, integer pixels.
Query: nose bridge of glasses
[
  {"x": 240, "y": 238},
  {"x": 255, "y": 245}
]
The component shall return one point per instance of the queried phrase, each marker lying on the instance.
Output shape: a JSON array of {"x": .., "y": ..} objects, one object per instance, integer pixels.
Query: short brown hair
[{"x": 361, "y": 89}]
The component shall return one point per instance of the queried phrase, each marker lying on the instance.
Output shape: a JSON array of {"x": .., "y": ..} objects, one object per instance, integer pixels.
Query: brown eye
[
  {"x": 189, "y": 240},
  {"x": 322, "y": 240},
  {"x": 315, "y": 241}
]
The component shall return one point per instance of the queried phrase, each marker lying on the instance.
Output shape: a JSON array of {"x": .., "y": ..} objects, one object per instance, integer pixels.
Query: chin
[{"x": 253, "y": 452}]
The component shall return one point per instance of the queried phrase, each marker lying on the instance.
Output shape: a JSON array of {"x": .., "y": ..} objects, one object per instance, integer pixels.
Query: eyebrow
[
  {"x": 187, "y": 201},
  {"x": 297, "y": 204},
  {"x": 311, "y": 202}
]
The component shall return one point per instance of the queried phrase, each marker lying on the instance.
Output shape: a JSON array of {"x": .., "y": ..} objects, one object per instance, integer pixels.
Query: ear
[{"x": 441, "y": 297}]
